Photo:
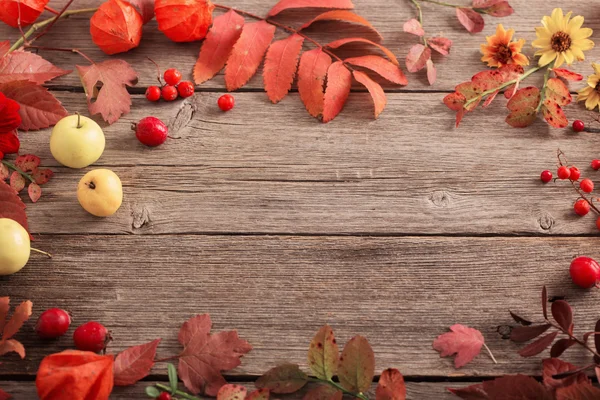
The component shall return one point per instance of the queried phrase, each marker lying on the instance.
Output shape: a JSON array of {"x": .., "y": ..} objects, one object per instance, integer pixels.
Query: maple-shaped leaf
[
  {"x": 232, "y": 392},
  {"x": 463, "y": 341},
  {"x": 206, "y": 355},
  {"x": 414, "y": 27},
  {"x": 523, "y": 107},
  {"x": 391, "y": 386},
  {"x": 258, "y": 394},
  {"x": 24, "y": 65},
  {"x": 281, "y": 64},
  {"x": 111, "y": 100},
  {"x": 558, "y": 91},
  {"x": 566, "y": 74},
  {"x": 495, "y": 8},
  {"x": 4, "y": 395},
  {"x": 323, "y": 354},
  {"x": 135, "y": 363},
  {"x": 470, "y": 19},
  {"x": 357, "y": 365},
  {"x": 11, "y": 205},
  {"x": 339, "y": 83},
  {"x": 34, "y": 191},
  {"x": 440, "y": 44},
  {"x": 311, "y": 77},
  {"x": 507, "y": 387},
  {"x": 323, "y": 392},
  {"x": 342, "y": 16},
  {"x": 554, "y": 114},
  {"x": 375, "y": 90},
  {"x": 39, "y": 108},
  {"x": 554, "y": 366},
  {"x": 578, "y": 391},
  {"x": 341, "y": 42},
  {"x": 217, "y": 45},
  {"x": 417, "y": 57},
  {"x": 11, "y": 326},
  {"x": 145, "y": 8},
  {"x": 283, "y": 379},
  {"x": 431, "y": 72},
  {"x": 291, "y": 4},
  {"x": 386, "y": 69},
  {"x": 248, "y": 53}
]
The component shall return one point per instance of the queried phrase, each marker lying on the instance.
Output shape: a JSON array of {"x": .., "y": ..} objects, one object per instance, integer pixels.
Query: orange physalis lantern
[
  {"x": 29, "y": 11},
  {"x": 184, "y": 20},
  {"x": 116, "y": 27}
]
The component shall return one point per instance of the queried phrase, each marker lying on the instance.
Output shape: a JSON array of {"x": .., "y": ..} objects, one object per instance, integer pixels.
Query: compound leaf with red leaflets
[
  {"x": 463, "y": 341},
  {"x": 135, "y": 363},
  {"x": 414, "y": 27},
  {"x": 291, "y": 4},
  {"x": 341, "y": 42},
  {"x": 323, "y": 353},
  {"x": 391, "y": 386},
  {"x": 523, "y": 107},
  {"x": 375, "y": 90},
  {"x": 386, "y": 69},
  {"x": 232, "y": 392},
  {"x": 342, "y": 16},
  {"x": 24, "y": 65},
  {"x": 283, "y": 379},
  {"x": 357, "y": 364},
  {"x": 11, "y": 205},
  {"x": 470, "y": 19},
  {"x": 311, "y": 77},
  {"x": 281, "y": 64},
  {"x": 339, "y": 83},
  {"x": 535, "y": 348},
  {"x": 526, "y": 333},
  {"x": 417, "y": 57}
]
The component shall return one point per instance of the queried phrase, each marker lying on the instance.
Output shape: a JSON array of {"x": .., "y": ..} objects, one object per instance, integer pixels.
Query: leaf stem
[
  {"x": 76, "y": 51},
  {"x": 420, "y": 18},
  {"x": 577, "y": 340},
  {"x": 490, "y": 353},
  {"x": 441, "y": 3},
  {"x": 41, "y": 252},
  {"x": 543, "y": 91},
  {"x": 179, "y": 393},
  {"x": 340, "y": 388},
  {"x": 15, "y": 168}
]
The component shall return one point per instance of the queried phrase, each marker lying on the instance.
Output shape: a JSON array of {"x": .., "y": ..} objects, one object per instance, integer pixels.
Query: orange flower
[{"x": 500, "y": 51}]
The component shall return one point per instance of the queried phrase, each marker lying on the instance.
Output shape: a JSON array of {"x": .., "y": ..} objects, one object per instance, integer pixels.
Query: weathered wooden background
[{"x": 276, "y": 224}]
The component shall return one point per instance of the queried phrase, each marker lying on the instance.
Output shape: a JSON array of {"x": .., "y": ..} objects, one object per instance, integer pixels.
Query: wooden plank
[
  {"x": 401, "y": 293},
  {"x": 247, "y": 171},
  {"x": 387, "y": 17}
]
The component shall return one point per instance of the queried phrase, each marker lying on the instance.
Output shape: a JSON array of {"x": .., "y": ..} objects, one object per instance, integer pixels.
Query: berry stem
[
  {"x": 561, "y": 157},
  {"x": 15, "y": 168},
  {"x": 179, "y": 393},
  {"x": 41, "y": 252}
]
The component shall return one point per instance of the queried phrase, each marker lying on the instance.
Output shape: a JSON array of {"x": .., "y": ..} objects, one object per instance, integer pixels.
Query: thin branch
[
  {"x": 76, "y": 51},
  {"x": 441, "y": 3},
  {"x": 51, "y": 24},
  {"x": 562, "y": 160}
]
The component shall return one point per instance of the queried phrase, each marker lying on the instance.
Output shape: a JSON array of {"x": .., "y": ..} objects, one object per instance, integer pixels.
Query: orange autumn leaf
[
  {"x": 281, "y": 64},
  {"x": 184, "y": 20},
  {"x": 75, "y": 375},
  {"x": 343, "y": 16},
  {"x": 341, "y": 42},
  {"x": 217, "y": 46},
  {"x": 248, "y": 53},
  {"x": 311, "y": 77},
  {"x": 291, "y": 4},
  {"x": 339, "y": 82},
  {"x": 116, "y": 27},
  {"x": 27, "y": 10},
  {"x": 391, "y": 386},
  {"x": 380, "y": 65},
  {"x": 376, "y": 91}
]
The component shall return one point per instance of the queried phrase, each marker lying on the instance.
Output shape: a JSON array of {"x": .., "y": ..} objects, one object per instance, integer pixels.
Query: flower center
[
  {"x": 597, "y": 88},
  {"x": 560, "y": 42},
  {"x": 503, "y": 54}
]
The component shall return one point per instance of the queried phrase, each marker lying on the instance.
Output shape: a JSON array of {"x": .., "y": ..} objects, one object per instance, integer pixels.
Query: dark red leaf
[
  {"x": 517, "y": 387},
  {"x": 473, "y": 392},
  {"x": 597, "y": 337},
  {"x": 34, "y": 191},
  {"x": 471, "y": 20},
  {"x": 135, "y": 363},
  {"x": 545, "y": 302},
  {"x": 286, "y": 378},
  {"x": 417, "y": 57},
  {"x": 554, "y": 366},
  {"x": 4, "y": 395},
  {"x": 525, "y": 333},
  {"x": 391, "y": 386},
  {"x": 520, "y": 319},
  {"x": 560, "y": 347},
  {"x": 291, "y": 4},
  {"x": 440, "y": 44},
  {"x": 27, "y": 162},
  {"x": 538, "y": 346},
  {"x": 578, "y": 392},
  {"x": 17, "y": 182},
  {"x": 563, "y": 314},
  {"x": 11, "y": 205},
  {"x": 42, "y": 176}
]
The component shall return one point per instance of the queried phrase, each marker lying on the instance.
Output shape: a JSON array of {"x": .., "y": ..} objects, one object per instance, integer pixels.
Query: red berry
[
  {"x": 581, "y": 207},
  {"x": 91, "y": 336},
  {"x": 172, "y": 76},
  {"x": 546, "y": 176},
  {"x": 169, "y": 93},
  {"x": 586, "y": 185},
  {"x": 585, "y": 272},
  {"x": 185, "y": 89},
  {"x": 53, "y": 323},
  {"x": 563, "y": 172},
  {"x": 151, "y": 131},
  {"x": 596, "y": 164},
  {"x": 153, "y": 93},
  {"x": 164, "y": 396},
  {"x": 226, "y": 102},
  {"x": 578, "y": 125},
  {"x": 575, "y": 173}
]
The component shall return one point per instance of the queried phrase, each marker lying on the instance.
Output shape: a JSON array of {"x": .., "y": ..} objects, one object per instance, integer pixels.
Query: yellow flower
[
  {"x": 591, "y": 93},
  {"x": 500, "y": 51},
  {"x": 562, "y": 39}
]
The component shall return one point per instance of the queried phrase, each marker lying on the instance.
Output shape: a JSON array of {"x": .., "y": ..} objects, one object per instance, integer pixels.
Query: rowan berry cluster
[{"x": 172, "y": 88}]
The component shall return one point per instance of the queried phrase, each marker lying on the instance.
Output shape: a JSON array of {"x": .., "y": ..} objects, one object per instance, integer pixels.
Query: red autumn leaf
[
  {"x": 232, "y": 392},
  {"x": 217, "y": 46},
  {"x": 39, "y": 108},
  {"x": 291, "y": 4},
  {"x": 184, "y": 20},
  {"x": 34, "y": 191},
  {"x": 563, "y": 314},
  {"x": 323, "y": 392},
  {"x": 343, "y": 16},
  {"x": 112, "y": 100},
  {"x": 24, "y": 65},
  {"x": 554, "y": 114},
  {"x": 578, "y": 392},
  {"x": 42, "y": 176},
  {"x": 523, "y": 107},
  {"x": 323, "y": 352},
  {"x": 4, "y": 309},
  {"x": 258, "y": 394},
  {"x": 463, "y": 341},
  {"x": 9, "y": 143},
  {"x": 417, "y": 57},
  {"x": 380, "y": 65},
  {"x": 311, "y": 77},
  {"x": 75, "y": 375},
  {"x": 27, "y": 11},
  {"x": 145, "y": 8},
  {"x": 440, "y": 44},
  {"x": 116, "y": 27},
  {"x": 495, "y": 8},
  {"x": 135, "y": 363},
  {"x": 357, "y": 362},
  {"x": 536, "y": 347},
  {"x": 567, "y": 75},
  {"x": 526, "y": 333},
  {"x": 341, "y": 42},
  {"x": 473, "y": 392},
  {"x": 283, "y": 379},
  {"x": 27, "y": 162},
  {"x": 391, "y": 386},
  {"x": 431, "y": 72},
  {"x": 4, "y": 172},
  {"x": 10, "y": 327},
  {"x": 4, "y": 395},
  {"x": 375, "y": 90},
  {"x": 554, "y": 366},
  {"x": 10, "y": 117},
  {"x": 414, "y": 27},
  {"x": 558, "y": 91},
  {"x": 17, "y": 181},
  {"x": 339, "y": 83},
  {"x": 471, "y": 20},
  {"x": 516, "y": 387},
  {"x": 560, "y": 346},
  {"x": 11, "y": 345},
  {"x": 11, "y": 205},
  {"x": 456, "y": 102},
  {"x": 248, "y": 53},
  {"x": 281, "y": 64},
  {"x": 205, "y": 355},
  {"x": 4, "y": 47}
]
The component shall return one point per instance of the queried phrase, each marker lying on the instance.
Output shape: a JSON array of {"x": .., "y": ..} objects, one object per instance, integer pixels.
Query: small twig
[
  {"x": 17, "y": 169},
  {"x": 51, "y": 24},
  {"x": 562, "y": 161},
  {"x": 441, "y": 3},
  {"x": 490, "y": 353},
  {"x": 157, "y": 71},
  {"x": 76, "y": 51},
  {"x": 51, "y": 10}
]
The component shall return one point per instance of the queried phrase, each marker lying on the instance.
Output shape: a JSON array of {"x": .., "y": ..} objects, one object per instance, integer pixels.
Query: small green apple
[
  {"x": 77, "y": 141},
  {"x": 14, "y": 246}
]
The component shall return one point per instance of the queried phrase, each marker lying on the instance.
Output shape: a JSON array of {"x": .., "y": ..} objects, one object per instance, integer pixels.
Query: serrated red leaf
[
  {"x": 206, "y": 355},
  {"x": 471, "y": 20},
  {"x": 567, "y": 75},
  {"x": 24, "y": 12},
  {"x": 342, "y": 16},
  {"x": 341, "y": 42},
  {"x": 357, "y": 364},
  {"x": 323, "y": 392},
  {"x": 413, "y": 26},
  {"x": 339, "y": 83},
  {"x": 112, "y": 100},
  {"x": 495, "y": 8},
  {"x": 523, "y": 107},
  {"x": 27, "y": 162},
  {"x": 312, "y": 72},
  {"x": 380, "y": 65},
  {"x": 417, "y": 57},
  {"x": 20, "y": 315},
  {"x": 9, "y": 143},
  {"x": 554, "y": 366},
  {"x": 39, "y": 108},
  {"x": 440, "y": 44},
  {"x": 258, "y": 394},
  {"x": 17, "y": 182},
  {"x": 431, "y": 72},
  {"x": 11, "y": 205},
  {"x": 232, "y": 392},
  {"x": 557, "y": 91},
  {"x": 535, "y": 348},
  {"x": 4, "y": 395},
  {"x": 34, "y": 191},
  {"x": 291, "y": 4},
  {"x": 391, "y": 386},
  {"x": 281, "y": 64},
  {"x": 521, "y": 334},
  {"x": 145, "y": 8},
  {"x": 135, "y": 363},
  {"x": 283, "y": 379},
  {"x": 375, "y": 90},
  {"x": 554, "y": 114},
  {"x": 248, "y": 53},
  {"x": 116, "y": 27},
  {"x": 12, "y": 346},
  {"x": 217, "y": 45},
  {"x": 24, "y": 65},
  {"x": 42, "y": 176},
  {"x": 463, "y": 341},
  {"x": 578, "y": 392}
]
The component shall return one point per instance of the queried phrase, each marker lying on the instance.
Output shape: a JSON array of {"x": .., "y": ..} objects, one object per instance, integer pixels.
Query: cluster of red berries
[
  {"x": 91, "y": 336},
  {"x": 172, "y": 89}
]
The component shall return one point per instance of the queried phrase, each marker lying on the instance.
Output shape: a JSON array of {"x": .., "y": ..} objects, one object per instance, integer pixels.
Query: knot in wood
[
  {"x": 546, "y": 221},
  {"x": 183, "y": 117},
  {"x": 504, "y": 331},
  {"x": 140, "y": 216},
  {"x": 440, "y": 198}
]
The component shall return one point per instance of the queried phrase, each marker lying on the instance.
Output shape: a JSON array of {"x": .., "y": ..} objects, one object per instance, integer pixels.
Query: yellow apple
[
  {"x": 14, "y": 246},
  {"x": 100, "y": 192},
  {"x": 77, "y": 141}
]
